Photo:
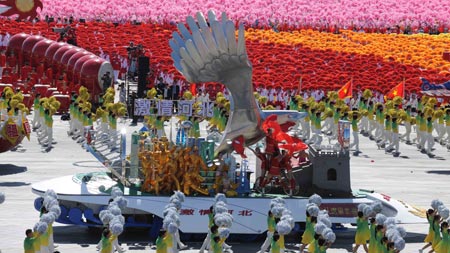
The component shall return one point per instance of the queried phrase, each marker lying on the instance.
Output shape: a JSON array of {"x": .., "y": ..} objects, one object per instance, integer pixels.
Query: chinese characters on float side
[{"x": 159, "y": 107}]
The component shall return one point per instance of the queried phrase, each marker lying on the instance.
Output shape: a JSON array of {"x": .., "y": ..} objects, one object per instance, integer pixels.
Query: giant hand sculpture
[{"x": 209, "y": 53}]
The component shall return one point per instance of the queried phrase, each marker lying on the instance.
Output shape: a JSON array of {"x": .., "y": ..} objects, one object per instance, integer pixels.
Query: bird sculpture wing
[{"x": 209, "y": 52}]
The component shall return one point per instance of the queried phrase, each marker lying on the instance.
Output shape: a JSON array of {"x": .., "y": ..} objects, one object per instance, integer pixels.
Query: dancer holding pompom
[
  {"x": 362, "y": 232},
  {"x": 372, "y": 241},
  {"x": 217, "y": 245},
  {"x": 275, "y": 246},
  {"x": 107, "y": 241},
  {"x": 30, "y": 241},
  {"x": 161, "y": 246},
  {"x": 429, "y": 238},
  {"x": 308, "y": 234},
  {"x": 271, "y": 225},
  {"x": 207, "y": 240},
  {"x": 443, "y": 245},
  {"x": 436, "y": 231}
]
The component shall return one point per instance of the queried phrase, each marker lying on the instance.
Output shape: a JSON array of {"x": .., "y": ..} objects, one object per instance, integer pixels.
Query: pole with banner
[{"x": 344, "y": 134}]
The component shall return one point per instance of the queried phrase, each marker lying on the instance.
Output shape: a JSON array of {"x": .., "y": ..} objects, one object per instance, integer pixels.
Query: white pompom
[
  {"x": 330, "y": 237},
  {"x": 103, "y": 213},
  {"x": 46, "y": 201},
  {"x": 106, "y": 218},
  {"x": 377, "y": 206},
  {"x": 116, "y": 228},
  {"x": 326, "y": 231},
  {"x": 399, "y": 244},
  {"x": 392, "y": 234},
  {"x": 401, "y": 231},
  {"x": 316, "y": 199},
  {"x": 223, "y": 220},
  {"x": 169, "y": 210},
  {"x": 361, "y": 207},
  {"x": 172, "y": 228},
  {"x": 50, "y": 193},
  {"x": 116, "y": 192},
  {"x": 220, "y": 197},
  {"x": 114, "y": 209},
  {"x": 325, "y": 221},
  {"x": 367, "y": 211},
  {"x": 55, "y": 215},
  {"x": 289, "y": 219},
  {"x": 41, "y": 227},
  {"x": 287, "y": 212},
  {"x": 118, "y": 219},
  {"x": 319, "y": 227},
  {"x": 380, "y": 219},
  {"x": 121, "y": 202},
  {"x": 323, "y": 214},
  {"x": 277, "y": 210},
  {"x": 283, "y": 227},
  {"x": 220, "y": 209},
  {"x": 53, "y": 202},
  {"x": 435, "y": 203},
  {"x": 313, "y": 210},
  {"x": 49, "y": 202},
  {"x": 174, "y": 217},
  {"x": 2, "y": 197},
  {"x": 48, "y": 218},
  {"x": 176, "y": 203},
  {"x": 389, "y": 221},
  {"x": 276, "y": 201},
  {"x": 56, "y": 210},
  {"x": 170, "y": 205},
  {"x": 445, "y": 213},
  {"x": 224, "y": 232},
  {"x": 178, "y": 195}
]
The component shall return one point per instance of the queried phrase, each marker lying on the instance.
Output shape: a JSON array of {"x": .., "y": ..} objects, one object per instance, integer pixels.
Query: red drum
[
  {"x": 27, "y": 48},
  {"x": 71, "y": 64},
  {"x": 15, "y": 46},
  {"x": 91, "y": 75},
  {"x": 38, "y": 52},
  {"x": 78, "y": 65}
]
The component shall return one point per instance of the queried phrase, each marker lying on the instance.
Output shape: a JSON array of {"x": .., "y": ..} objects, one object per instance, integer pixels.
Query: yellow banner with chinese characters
[{"x": 10, "y": 131}]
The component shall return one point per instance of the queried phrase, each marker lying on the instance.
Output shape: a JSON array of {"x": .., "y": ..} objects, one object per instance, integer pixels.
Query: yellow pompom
[
  {"x": 188, "y": 95},
  {"x": 367, "y": 94}
]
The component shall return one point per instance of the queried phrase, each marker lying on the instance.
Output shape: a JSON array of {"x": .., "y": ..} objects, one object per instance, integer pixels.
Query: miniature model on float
[{"x": 157, "y": 167}]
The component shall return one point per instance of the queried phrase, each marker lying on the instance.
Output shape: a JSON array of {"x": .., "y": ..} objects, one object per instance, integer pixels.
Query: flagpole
[
  {"x": 403, "y": 97},
  {"x": 300, "y": 86}
]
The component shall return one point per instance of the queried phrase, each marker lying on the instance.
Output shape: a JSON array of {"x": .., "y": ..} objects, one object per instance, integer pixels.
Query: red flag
[
  {"x": 346, "y": 90},
  {"x": 238, "y": 145},
  {"x": 397, "y": 91},
  {"x": 193, "y": 89}
]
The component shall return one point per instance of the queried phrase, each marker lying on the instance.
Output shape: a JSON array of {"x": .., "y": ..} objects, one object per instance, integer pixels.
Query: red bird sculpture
[{"x": 23, "y": 8}]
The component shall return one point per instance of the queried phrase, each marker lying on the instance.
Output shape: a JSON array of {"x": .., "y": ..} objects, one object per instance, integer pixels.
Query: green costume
[
  {"x": 362, "y": 231},
  {"x": 308, "y": 234},
  {"x": 161, "y": 246},
  {"x": 275, "y": 246},
  {"x": 28, "y": 244}
]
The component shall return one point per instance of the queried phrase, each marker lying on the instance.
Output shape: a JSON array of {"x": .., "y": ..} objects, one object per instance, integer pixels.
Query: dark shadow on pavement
[
  {"x": 10, "y": 169},
  {"x": 439, "y": 172},
  {"x": 14, "y": 184}
]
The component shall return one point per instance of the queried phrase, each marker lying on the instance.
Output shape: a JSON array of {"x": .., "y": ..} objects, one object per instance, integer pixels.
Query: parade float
[{"x": 202, "y": 167}]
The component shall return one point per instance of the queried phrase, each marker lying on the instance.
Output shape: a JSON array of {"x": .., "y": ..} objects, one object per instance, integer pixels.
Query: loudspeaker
[
  {"x": 142, "y": 84},
  {"x": 143, "y": 65}
]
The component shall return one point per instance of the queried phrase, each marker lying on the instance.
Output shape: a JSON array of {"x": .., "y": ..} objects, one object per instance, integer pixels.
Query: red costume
[
  {"x": 271, "y": 144},
  {"x": 276, "y": 164}
]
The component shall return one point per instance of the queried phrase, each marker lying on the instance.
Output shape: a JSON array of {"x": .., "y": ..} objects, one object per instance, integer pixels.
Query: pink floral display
[{"x": 293, "y": 13}]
